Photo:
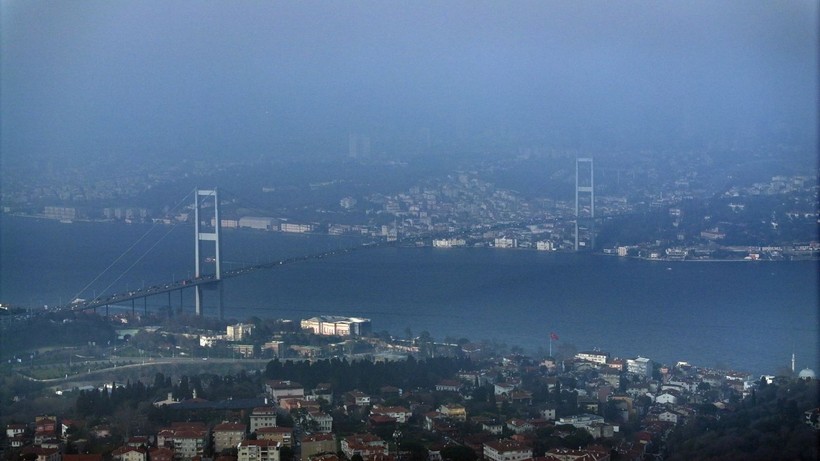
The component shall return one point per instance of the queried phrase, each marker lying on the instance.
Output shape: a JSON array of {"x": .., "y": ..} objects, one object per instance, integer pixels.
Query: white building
[
  {"x": 666, "y": 398},
  {"x": 544, "y": 245},
  {"x": 449, "y": 243},
  {"x": 258, "y": 450},
  {"x": 640, "y": 366},
  {"x": 324, "y": 422},
  {"x": 347, "y": 202},
  {"x": 239, "y": 331},
  {"x": 210, "y": 341},
  {"x": 284, "y": 389},
  {"x": 400, "y": 414},
  {"x": 295, "y": 228},
  {"x": 581, "y": 421},
  {"x": 331, "y": 325},
  {"x": 257, "y": 222},
  {"x": 504, "y": 242},
  {"x": 263, "y": 417},
  {"x": 594, "y": 356},
  {"x": 506, "y": 450}
]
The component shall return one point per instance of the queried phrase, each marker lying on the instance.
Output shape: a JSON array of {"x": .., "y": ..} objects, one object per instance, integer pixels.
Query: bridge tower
[
  {"x": 212, "y": 235},
  {"x": 584, "y": 202}
]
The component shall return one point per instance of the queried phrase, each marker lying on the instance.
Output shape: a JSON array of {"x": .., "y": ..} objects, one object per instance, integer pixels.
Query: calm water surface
[{"x": 745, "y": 315}]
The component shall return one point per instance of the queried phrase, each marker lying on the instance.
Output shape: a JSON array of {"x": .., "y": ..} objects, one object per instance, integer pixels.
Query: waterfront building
[
  {"x": 295, "y": 228},
  {"x": 257, "y": 222},
  {"x": 504, "y": 242},
  {"x": 332, "y": 325}
]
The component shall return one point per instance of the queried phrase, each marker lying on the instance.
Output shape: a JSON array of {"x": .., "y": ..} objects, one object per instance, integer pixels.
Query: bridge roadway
[
  {"x": 210, "y": 279},
  {"x": 154, "y": 290}
]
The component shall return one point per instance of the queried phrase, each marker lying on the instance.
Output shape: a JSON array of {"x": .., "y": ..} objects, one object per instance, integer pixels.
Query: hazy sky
[{"x": 177, "y": 77}]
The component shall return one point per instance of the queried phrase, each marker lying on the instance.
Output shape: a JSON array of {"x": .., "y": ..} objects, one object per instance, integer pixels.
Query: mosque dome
[{"x": 807, "y": 373}]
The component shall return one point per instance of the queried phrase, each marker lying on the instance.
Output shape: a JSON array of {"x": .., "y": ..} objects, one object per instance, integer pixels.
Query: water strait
[{"x": 749, "y": 316}]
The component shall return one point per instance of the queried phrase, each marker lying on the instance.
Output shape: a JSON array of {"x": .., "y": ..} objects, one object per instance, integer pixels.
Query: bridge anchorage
[{"x": 205, "y": 202}]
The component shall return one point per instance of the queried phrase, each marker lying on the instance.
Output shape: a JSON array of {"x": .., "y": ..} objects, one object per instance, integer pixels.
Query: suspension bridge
[
  {"x": 206, "y": 209},
  {"x": 207, "y": 240}
]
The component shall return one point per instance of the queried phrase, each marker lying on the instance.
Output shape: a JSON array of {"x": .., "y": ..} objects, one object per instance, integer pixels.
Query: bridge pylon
[
  {"x": 213, "y": 235},
  {"x": 584, "y": 203}
]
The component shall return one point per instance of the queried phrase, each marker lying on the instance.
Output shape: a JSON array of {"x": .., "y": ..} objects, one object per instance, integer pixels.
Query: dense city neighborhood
[
  {"x": 654, "y": 207},
  {"x": 332, "y": 390}
]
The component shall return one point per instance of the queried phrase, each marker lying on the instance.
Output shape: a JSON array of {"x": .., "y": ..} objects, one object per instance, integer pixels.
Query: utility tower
[
  {"x": 208, "y": 197},
  {"x": 584, "y": 202}
]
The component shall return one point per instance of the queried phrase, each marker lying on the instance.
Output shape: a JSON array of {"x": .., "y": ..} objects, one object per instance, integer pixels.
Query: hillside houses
[{"x": 513, "y": 409}]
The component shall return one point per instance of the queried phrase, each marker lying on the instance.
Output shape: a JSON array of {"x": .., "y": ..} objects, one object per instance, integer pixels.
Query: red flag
[{"x": 553, "y": 337}]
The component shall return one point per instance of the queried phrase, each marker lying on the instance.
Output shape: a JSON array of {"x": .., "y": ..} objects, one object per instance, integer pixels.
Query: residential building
[
  {"x": 368, "y": 446},
  {"x": 504, "y": 242},
  {"x": 42, "y": 454},
  {"x": 544, "y": 245},
  {"x": 239, "y": 332},
  {"x": 228, "y": 435},
  {"x": 188, "y": 440},
  {"x": 453, "y": 411},
  {"x": 357, "y": 398},
  {"x": 548, "y": 413},
  {"x": 262, "y": 417},
  {"x": 82, "y": 457},
  {"x": 506, "y": 450},
  {"x": 258, "y": 450},
  {"x": 323, "y": 421},
  {"x": 640, "y": 366},
  {"x": 45, "y": 428},
  {"x": 14, "y": 430},
  {"x": 519, "y": 426},
  {"x": 568, "y": 454},
  {"x": 281, "y": 435},
  {"x": 666, "y": 398},
  {"x": 448, "y": 385},
  {"x": 161, "y": 454},
  {"x": 126, "y": 453},
  {"x": 503, "y": 388},
  {"x": 581, "y": 421},
  {"x": 400, "y": 414},
  {"x": 284, "y": 389},
  {"x": 315, "y": 444}
]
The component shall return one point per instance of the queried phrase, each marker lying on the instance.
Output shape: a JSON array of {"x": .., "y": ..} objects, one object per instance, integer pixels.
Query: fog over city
[
  {"x": 177, "y": 79},
  {"x": 409, "y": 230}
]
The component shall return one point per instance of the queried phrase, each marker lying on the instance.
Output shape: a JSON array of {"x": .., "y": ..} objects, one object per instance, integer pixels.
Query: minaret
[{"x": 792, "y": 362}]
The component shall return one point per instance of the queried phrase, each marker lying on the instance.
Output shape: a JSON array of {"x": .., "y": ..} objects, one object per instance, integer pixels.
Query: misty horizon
[{"x": 181, "y": 79}]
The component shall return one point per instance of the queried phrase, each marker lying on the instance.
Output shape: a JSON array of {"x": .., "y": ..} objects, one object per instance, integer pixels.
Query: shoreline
[{"x": 594, "y": 253}]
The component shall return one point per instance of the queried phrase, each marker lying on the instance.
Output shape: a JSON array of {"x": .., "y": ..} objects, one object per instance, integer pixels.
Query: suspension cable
[{"x": 105, "y": 271}]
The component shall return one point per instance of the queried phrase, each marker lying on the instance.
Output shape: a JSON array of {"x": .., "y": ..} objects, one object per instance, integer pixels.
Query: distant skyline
[{"x": 91, "y": 79}]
